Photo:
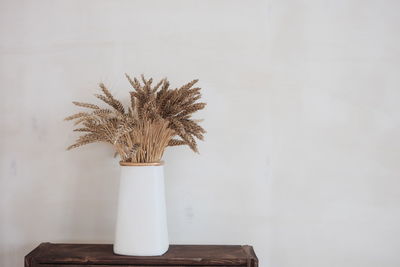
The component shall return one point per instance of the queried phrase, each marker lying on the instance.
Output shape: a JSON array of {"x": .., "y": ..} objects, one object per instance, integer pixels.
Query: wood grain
[{"x": 48, "y": 254}]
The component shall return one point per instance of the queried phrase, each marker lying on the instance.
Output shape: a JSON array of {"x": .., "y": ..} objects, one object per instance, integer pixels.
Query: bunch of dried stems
[{"x": 157, "y": 117}]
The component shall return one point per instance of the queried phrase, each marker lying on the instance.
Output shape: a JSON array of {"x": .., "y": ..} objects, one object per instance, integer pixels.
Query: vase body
[{"x": 141, "y": 227}]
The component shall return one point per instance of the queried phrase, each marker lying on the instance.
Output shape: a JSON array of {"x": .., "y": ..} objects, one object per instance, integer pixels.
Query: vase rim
[{"x": 138, "y": 164}]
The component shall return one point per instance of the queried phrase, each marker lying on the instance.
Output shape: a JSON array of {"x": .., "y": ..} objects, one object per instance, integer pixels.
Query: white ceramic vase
[{"x": 141, "y": 228}]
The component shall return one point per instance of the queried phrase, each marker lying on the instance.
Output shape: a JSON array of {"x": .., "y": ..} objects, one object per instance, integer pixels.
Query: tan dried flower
[{"x": 156, "y": 118}]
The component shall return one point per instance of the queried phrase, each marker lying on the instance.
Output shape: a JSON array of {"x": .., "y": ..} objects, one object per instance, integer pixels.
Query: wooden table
[{"x": 96, "y": 255}]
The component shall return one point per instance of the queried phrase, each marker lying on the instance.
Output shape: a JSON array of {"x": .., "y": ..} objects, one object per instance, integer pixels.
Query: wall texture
[{"x": 301, "y": 158}]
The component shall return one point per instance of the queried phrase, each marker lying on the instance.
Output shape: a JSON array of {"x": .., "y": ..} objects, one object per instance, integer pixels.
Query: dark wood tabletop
[{"x": 73, "y": 255}]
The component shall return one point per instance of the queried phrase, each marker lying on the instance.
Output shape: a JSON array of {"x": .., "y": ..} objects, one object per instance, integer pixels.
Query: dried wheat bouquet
[{"x": 157, "y": 117}]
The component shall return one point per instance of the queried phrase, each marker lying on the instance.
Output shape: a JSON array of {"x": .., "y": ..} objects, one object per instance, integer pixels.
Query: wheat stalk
[{"x": 156, "y": 118}]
